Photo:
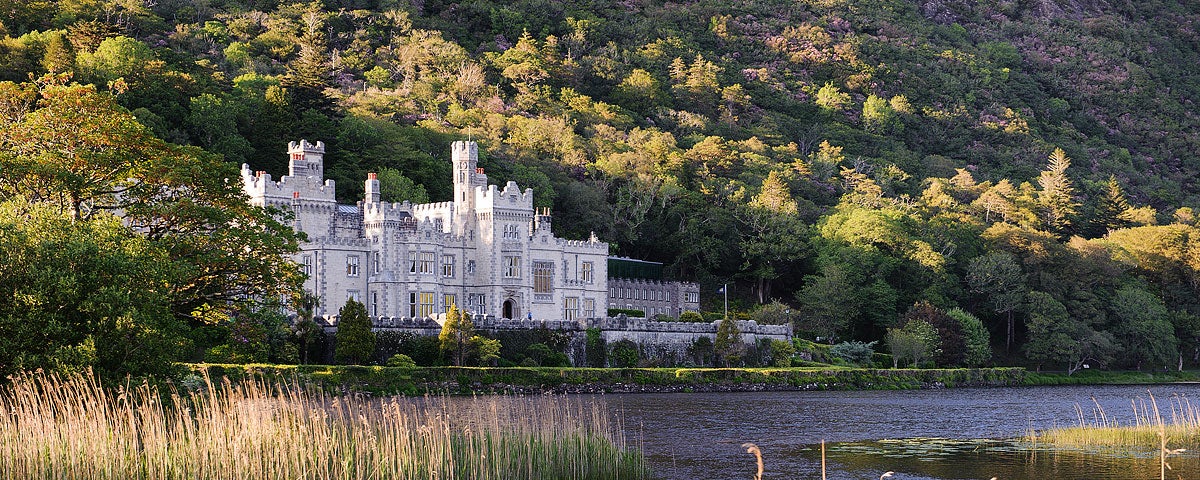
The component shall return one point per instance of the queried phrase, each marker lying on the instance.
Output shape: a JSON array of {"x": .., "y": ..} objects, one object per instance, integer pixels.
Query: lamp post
[{"x": 725, "y": 290}]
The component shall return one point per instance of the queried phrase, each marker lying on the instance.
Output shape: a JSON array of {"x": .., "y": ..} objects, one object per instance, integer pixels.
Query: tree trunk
[{"x": 1009, "y": 339}]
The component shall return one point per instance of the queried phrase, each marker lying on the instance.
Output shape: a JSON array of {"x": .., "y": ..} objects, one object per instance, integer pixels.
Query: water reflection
[{"x": 698, "y": 436}]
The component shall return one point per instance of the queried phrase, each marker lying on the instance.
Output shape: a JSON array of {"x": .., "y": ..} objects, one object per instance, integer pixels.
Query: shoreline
[{"x": 383, "y": 381}]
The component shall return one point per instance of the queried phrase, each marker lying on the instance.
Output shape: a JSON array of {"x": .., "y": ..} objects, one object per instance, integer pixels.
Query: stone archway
[{"x": 510, "y": 309}]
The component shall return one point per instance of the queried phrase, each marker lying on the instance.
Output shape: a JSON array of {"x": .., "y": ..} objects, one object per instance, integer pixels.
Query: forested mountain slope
[{"x": 1031, "y": 162}]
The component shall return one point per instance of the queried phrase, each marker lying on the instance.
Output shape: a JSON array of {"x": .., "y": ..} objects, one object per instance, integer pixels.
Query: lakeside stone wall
[{"x": 669, "y": 342}]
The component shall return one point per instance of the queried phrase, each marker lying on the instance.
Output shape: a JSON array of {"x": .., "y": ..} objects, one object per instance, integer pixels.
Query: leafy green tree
[
  {"x": 213, "y": 121},
  {"x": 355, "y": 340},
  {"x": 401, "y": 360},
  {"x": 828, "y": 302},
  {"x": 782, "y": 353},
  {"x": 77, "y": 295},
  {"x": 115, "y": 58},
  {"x": 975, "y": 337},
  {"x": 774, "y": 239},
  {"x": 997, "y": 277},
  {"x": 305, "y": 329},
  {"x": 775, "y": 313},
  {"x": 878, "y": 115},
  {"x": 596, "y": 348},
  {"x": 77, "y": 152},
  {"x": 728, "y": 346},
  {"x": 1142, "y": 324},
  {"x": 830, "y": 97},
  {"x": 456, "y": 335},
  {"x": 904, "y": 345},
  {"x": 855, "y": 352},
  {"x": 395, "y": 187},
  {"x": 1055, "y": 336},
  {"x": 624, "y": 354},
  {"x": 484, "y": 351}
]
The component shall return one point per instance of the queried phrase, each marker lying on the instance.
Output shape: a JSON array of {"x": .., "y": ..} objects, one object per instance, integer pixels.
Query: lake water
[{"x": 918, "y": 434}]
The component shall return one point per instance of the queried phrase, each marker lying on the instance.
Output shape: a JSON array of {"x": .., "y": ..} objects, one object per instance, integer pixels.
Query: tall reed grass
[
  {"x": 74, "y": 428},
  {"x": 1178, "y": 424}
]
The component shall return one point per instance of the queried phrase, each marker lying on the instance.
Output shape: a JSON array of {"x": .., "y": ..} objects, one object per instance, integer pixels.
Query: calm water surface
[{"x": 919, "y": 434}]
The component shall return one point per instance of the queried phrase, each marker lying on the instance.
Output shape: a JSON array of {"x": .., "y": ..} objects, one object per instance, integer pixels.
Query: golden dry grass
[
  {"x": 1179, "y": 424},
  {"x": 74, "y": 428}
]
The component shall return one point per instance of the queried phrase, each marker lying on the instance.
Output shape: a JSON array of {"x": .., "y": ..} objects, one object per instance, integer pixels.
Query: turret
[
  {"x": 306, "y": 159},
  {"x": 465, "y": 156},
  {"x": 372, "y": 188}
]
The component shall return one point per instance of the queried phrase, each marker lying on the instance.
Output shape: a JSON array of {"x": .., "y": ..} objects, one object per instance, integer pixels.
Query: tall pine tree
[
  {"x": 1113, "y": 211},
  {"x": 1055, "y": 203},
  {"x": 309, "y": 75}
]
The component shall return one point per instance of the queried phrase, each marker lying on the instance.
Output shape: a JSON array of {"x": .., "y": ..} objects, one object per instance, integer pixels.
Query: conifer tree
[
  {"x": 59, "y": 56},
  {"x": 1054, "y": 199},
  {"x": 355, "y": 340},
  {"x": 457, "y": 331},
  {"x": 309, "y": 75},
  {"x": 1113, "y": 211},
  {"x": 729, "y": 346}
]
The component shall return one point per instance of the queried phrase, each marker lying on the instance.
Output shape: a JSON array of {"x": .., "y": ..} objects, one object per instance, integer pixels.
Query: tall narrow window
[
  {"x": 375, "y": 263},
  {"x": 512, "y": 267},
  {"x": 427, "y": 304},
  {"x": 307, "y": 263},
  {"x": 543, "y": 277},
  {"x": 570, "y": 308},
  {"x": 470, "y": 267},
  {"x": 412, "y": 304},
  {"x": 352, "y": 266},
  {"x": 589, "y": 308},
  {"x": 447, "y": 265},
  {"x": 374, "y": 304},
  {"x": 585, "y": 272},
  {"x": 427, "y": 262},
  {"x": 477, "y": 302}
]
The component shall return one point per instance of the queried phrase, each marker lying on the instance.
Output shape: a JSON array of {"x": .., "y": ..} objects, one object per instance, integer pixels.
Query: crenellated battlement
[
  {"x": 432, "y": 208},
  {"x": 387, "y": 210},
  {"x": 511, "y": 197},
  {"x": 304, "y": 147},
  {"x": 462, "y": 150},
  {"x": 260, "y": 184},
  {"x": 590, "y": 244}
]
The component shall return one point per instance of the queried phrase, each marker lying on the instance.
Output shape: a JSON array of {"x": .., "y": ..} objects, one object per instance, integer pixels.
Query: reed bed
[
  {"x": 1177, "y": 425},
  {"x": 75, "y": 428}
]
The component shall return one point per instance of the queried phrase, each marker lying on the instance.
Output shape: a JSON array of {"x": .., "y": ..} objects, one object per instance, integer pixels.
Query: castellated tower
[
  {"x": 467, "y": 176},
  {"x": 306, "y": 159},
  {"x": 371, "y": 187}
]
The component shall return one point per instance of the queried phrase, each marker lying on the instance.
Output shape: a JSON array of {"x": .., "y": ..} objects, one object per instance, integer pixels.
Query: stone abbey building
[{"x": 487, "y": 250}]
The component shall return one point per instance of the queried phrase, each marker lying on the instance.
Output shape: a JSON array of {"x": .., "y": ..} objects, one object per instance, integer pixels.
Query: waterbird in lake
[{"x": 752, "y": 448}]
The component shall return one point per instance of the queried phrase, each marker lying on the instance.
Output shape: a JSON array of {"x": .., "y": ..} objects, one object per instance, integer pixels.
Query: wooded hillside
[{"x": 870, "y": 164}]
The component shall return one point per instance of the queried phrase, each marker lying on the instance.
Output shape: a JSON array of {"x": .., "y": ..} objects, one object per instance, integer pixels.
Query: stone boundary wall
[
  {"x": 612, "y": 325},
  {"x": 669, "y": 341}
]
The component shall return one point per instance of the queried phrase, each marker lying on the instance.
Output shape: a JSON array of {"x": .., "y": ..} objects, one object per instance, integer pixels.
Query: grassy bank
[
  {"x": 456, "y": 380},
  {"x": 74, "y": 428},
  {"x": 1104, "y": 377},
  {"x": 1175, "y": 425}
]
